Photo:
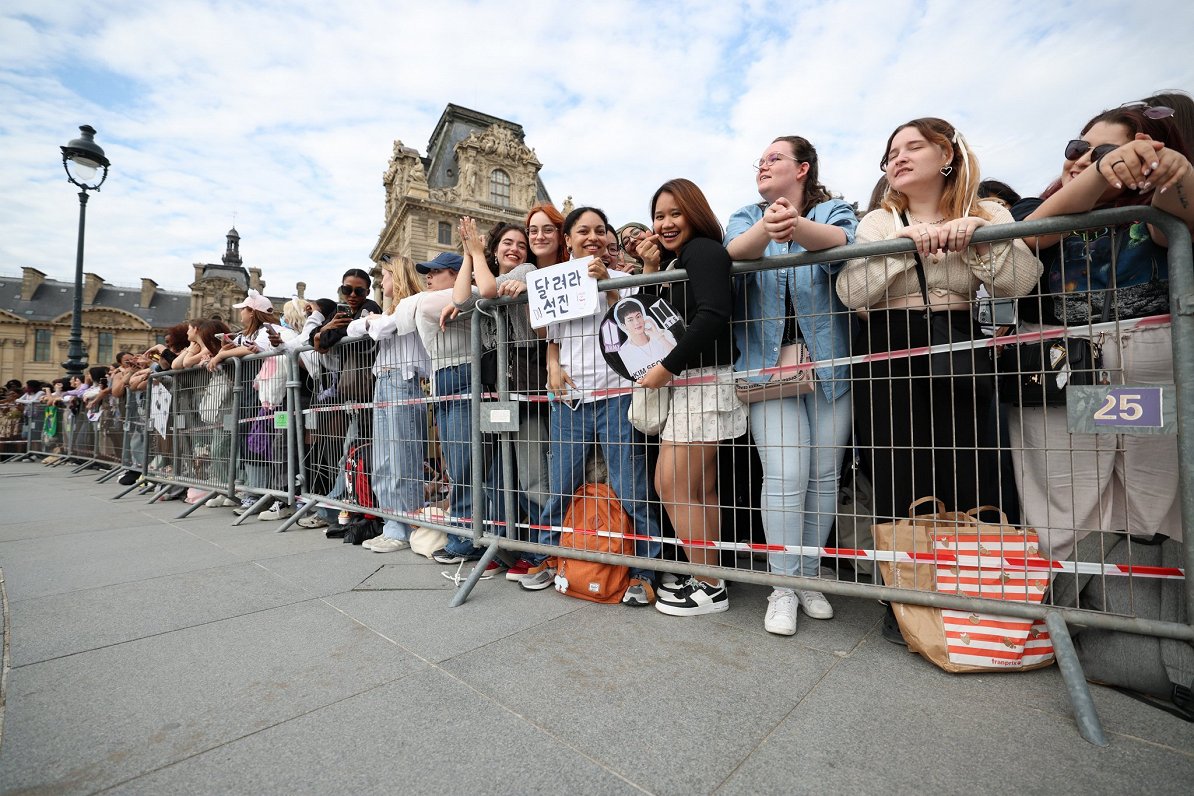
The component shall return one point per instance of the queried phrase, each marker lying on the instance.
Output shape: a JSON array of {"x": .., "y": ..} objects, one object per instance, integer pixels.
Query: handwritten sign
[
  {"x": 561, "y": 292},
  {"x": 159, "y": 407}
]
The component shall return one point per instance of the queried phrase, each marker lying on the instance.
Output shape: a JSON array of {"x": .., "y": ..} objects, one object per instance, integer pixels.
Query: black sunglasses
[
  {"x": 1077, "y": 148},
  {"x": 349, "y": 290}
]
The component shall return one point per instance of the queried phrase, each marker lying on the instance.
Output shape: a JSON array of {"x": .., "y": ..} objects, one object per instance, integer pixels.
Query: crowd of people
[{"x": 920, "y": 424}]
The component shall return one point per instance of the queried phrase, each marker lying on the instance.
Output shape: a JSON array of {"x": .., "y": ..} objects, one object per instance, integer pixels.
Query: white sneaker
[
  {"x": 781, "y": 613},
  {"x": 815, "y": 604},
  {"x": 384, "y": 544},
  {"x": 278, "y": 511}
]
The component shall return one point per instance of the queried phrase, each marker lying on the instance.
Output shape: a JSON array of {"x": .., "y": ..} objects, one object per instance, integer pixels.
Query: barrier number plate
[
  {"x": 281, "y": 420},
  {"x": 1121, "y": 409}
]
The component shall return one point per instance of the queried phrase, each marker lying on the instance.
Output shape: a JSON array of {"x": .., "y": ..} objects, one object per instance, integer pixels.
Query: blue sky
[{"x": 285, "y": 113}]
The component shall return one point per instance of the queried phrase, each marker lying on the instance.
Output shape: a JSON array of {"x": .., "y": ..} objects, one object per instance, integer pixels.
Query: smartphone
[{"x": 343, "y": 308}]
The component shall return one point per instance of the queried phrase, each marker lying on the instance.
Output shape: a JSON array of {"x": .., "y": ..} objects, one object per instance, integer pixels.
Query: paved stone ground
[{"x": 154, "y": 655}]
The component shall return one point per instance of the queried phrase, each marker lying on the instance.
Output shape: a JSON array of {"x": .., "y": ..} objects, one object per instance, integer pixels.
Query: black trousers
[{"x": 917, "y": 418}]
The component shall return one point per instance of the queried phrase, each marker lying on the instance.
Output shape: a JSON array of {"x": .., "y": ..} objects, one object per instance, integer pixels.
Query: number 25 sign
[{"x": 1121, "y": 409}]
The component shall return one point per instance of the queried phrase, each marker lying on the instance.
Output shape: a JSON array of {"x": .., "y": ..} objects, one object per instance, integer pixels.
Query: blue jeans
[
  {"x": 398, "y": 445},
  {"x": 573, "y": 433},
  {"x": 801, "y": 442},
  {"x": 455, "y": 424}
]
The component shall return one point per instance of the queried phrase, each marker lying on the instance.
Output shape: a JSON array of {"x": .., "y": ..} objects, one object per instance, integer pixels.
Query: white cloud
[{"x": 284, "y": 112}]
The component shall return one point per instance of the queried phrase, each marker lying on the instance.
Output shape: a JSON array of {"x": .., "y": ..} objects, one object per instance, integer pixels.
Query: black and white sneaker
[
  {"x": 693, "y": 598},
  {"x": 444, "y": 556}
]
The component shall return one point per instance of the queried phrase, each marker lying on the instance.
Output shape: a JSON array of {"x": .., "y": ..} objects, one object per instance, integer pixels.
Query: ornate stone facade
[{"x": 476, "y": 165}]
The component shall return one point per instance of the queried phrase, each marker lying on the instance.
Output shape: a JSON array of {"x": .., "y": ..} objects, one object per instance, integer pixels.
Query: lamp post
[{"x": 82, "y": 159}]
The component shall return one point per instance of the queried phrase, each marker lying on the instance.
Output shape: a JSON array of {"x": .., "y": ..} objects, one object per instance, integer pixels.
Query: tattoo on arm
[{"x": 1181, "y": 197}]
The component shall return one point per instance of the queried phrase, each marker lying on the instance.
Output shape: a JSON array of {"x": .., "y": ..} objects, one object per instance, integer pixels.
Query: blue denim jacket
[{"x": 760, "y": 306}]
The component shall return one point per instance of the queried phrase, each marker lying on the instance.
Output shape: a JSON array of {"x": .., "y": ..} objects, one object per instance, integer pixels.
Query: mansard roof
[{"x": 53, "y": 299}]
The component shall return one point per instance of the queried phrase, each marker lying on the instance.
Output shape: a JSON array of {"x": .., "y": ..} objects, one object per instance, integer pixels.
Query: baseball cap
[{"x": 449, "y": 260}]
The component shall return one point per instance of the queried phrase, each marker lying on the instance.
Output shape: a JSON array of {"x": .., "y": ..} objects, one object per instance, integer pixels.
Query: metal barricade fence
[
  {"x": 190, "y": 434},
  {"x": 927, "y": 405},
  {"x": 364, "y": 437},
  {"x": 48, "y": 432},
  {"x": 133, "y": 430},
  {"x": 262, "y": 465}
]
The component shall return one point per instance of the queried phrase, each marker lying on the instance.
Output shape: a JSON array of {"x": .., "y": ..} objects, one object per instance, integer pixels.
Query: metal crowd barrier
[
  {"x": 506, "y": 494},
  {"x": 355, "y": 427},
  {"x": 262, "y": 460},
  {"x": 985, "y": 460},
  {"x": 186, "y": 420}
]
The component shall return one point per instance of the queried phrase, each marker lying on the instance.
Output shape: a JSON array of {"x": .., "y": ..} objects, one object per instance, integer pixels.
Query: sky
[{"x": 280, "y": 117}]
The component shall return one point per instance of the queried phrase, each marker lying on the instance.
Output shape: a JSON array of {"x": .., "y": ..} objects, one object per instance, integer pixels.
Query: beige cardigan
[{"x": 1008, "y": 269}]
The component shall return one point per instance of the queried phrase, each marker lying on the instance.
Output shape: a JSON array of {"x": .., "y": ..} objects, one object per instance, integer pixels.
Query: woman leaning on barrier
[
  {"x": 702, "y": 415},
  {"x": 915, "y": 417},
  {"x": 1072, "y": 484},
  {"x": 801, "y": 439},
  {"x": 399, "y": 414}
]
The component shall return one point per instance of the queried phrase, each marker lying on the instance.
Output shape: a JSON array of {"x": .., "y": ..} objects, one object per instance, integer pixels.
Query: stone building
[
  {"x": 35, "y": 313},
  {"x": 476, "y": 164}
]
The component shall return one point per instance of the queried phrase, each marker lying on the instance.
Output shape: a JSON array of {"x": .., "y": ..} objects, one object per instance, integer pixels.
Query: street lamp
[{"x": 82, "y": 158}]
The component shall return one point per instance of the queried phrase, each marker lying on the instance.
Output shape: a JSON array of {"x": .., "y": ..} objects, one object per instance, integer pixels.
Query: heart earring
[{"x": 947, "y": 170}]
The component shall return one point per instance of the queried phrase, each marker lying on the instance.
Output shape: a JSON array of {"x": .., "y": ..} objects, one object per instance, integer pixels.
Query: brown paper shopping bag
[{"x": 955, "y": 553}]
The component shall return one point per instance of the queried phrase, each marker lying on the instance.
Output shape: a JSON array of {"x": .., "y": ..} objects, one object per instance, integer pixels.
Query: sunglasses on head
[
  {"x": 1077, "y": 148},
  {"x": 1150, "y": 111},
  {"x": 349, "y": 290}
]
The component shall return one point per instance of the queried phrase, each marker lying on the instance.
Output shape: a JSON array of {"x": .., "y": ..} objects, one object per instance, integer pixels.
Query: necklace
[{"x": 921, "y": 221}]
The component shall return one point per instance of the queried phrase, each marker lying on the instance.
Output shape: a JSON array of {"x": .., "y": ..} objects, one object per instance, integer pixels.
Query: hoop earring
[{"x": 947, "y": 170}]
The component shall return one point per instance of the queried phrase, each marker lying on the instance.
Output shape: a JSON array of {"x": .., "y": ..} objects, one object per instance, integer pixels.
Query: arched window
[{"x": 499, "y": 188}]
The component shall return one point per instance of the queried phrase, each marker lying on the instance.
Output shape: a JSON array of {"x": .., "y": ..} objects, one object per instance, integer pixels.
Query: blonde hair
[
  {"x": 406, "y": 280},
  {"x": 960, "y": 198},
  {"x": 293, "y": 314}
]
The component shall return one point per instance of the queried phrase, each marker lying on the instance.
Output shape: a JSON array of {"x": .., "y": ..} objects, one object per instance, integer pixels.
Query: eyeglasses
[
  {"x": 772, "y": 159},
  {"x": 1077, "y": 148},
  {"x": 349, "y": 290},
  {"x": 1151, "y": 111},
  {"x": 546, "y": 231}
]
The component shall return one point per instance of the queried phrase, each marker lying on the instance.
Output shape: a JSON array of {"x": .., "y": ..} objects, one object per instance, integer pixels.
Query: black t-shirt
[{"x": 705, "y": 302}]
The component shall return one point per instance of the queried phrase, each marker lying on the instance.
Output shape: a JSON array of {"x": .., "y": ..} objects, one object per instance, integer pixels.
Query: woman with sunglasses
[
  {"x": 351, "y": 383},
  {"x": 1071, "y": 484},
  {"x": 916, "y": 417},
  {"x": 801, "y": 440}
]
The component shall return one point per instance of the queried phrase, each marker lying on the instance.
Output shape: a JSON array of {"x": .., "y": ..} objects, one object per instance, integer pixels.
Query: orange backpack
[{"x": 595, "y": 512}]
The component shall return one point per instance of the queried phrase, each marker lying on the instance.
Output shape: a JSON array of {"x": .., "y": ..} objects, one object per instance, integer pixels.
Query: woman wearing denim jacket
[{"x": 801, "y": 440}]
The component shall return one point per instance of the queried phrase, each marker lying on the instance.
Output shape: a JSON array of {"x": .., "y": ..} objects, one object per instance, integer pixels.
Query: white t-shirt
[
  {"x": 638, "y": 359},
  {"x": 580, "y": 344}
]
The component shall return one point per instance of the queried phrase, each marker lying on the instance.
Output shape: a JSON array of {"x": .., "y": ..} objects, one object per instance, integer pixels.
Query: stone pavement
[{"x": 155, "y": 655}]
